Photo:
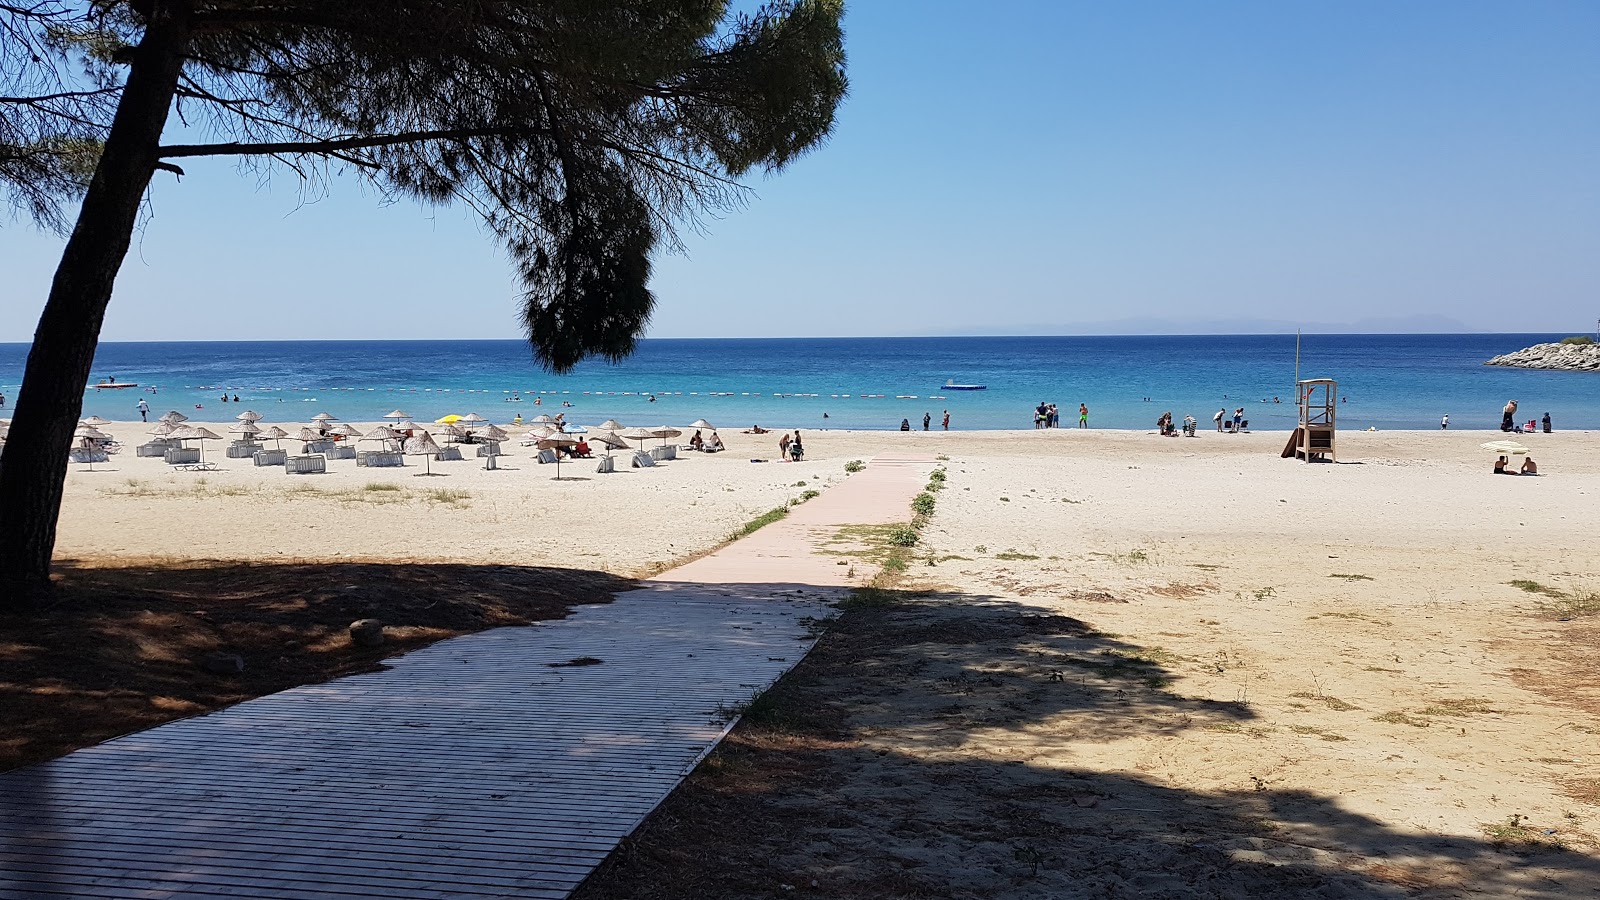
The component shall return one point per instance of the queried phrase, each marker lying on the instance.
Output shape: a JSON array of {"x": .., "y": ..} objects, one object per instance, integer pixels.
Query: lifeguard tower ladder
[{"x": 1318, "y": 407}]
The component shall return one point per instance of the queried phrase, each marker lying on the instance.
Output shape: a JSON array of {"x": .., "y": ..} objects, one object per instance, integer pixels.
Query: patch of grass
[
  {"x": 380, "y": 486},
  {"x": 1351, "y": 577},
  {"x": 1534, "y": 587},
  {"x": 1325, "y": 735},
  {"x": 1005, "y": 499},
  {"x": 1398, "y": 717},
  {"x": 1583, "y": 790},
  {"x": 1517, "y": 831},
  {"x": 942, "y": 458},
  {"x": 448, "y": 496},
  {"x": 1333, "y": 703},
  {"x": 923, "y": 504},
  {"x": 809, "y": 495},
  {"x": 903, "y": 536},
  {"x": 1573, "y": 606},
  {"x": 1581, "y": 340},
  {"x": 1464, "y": 706},
  {"x": 1014, "y": 555},
  {"x": 854, "y": 466},
  {"x": 759, "y": 522}
]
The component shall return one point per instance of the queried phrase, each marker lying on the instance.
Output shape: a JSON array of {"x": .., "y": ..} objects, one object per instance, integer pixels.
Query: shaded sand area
[
  {"x": 1122, "y": 665},
  {"x": 1139, "y": 669}
]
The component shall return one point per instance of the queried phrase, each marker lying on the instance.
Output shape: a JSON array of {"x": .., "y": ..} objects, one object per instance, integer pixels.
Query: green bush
[
  {"x": 903, "y": 536},
  {"x": 1579, "y": 339},
  {"x": 807, "y": 495},
  {"x": 854, "y": 465},
  {"x": 922, "y": 504}
]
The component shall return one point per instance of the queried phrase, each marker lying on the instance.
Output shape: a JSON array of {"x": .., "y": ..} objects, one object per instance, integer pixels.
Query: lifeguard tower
[{"x": 1319, "y": 399}]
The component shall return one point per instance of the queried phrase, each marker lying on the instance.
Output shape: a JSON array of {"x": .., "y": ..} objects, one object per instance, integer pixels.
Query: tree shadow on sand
[
  {"x": 121, "y": 648},
  {"x": 942, "y": 746}
]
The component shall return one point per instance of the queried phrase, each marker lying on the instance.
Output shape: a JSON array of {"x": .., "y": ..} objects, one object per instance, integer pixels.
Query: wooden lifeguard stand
[{"x": 1319, "y": 399}]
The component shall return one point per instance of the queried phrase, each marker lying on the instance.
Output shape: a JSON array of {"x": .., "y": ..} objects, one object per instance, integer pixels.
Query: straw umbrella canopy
[
  {"x": 422, "y": 445},
  {"x": 247, "y": 428},
  {"x": 397, "y": 415},
  {"x": 323, "y": 418},
  {"x": 191, "y": 433},
  {"x": 277, "y": 434},
  {"x": 664, "y": 432},
  {"x": 702, "y": 423},
  {"x": 609, "y": 440},
  {"x": 1505, "y": 447},
  {"x": 452, "y": 433},
  {"x": 173, "y": 417},
  {"x": 557, "y": 442},
  {"x": 473, "y": 418},
  {"x": 543, "y": 419},
  {"x": 309, "y": 434},
  {"x": 163, "y": 429},
  {"x": 493, "y": 433},
  {"x": 610, "y": 425},
  {"x": 382, "y": 433},
  {"x": 249, "y": 415},
  {"x": 637, "y": 434},
  {"x": 346, "y": 429},
  {"x": 87, "y": 436},
  {"x": 96, "y": 421}
]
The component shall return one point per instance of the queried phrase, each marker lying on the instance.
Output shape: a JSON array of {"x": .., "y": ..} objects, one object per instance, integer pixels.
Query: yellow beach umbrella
[{"x": 447, "y": 420}]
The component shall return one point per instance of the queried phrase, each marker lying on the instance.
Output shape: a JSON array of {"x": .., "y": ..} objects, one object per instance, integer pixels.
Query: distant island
[{"x": 1574, "y": 354}]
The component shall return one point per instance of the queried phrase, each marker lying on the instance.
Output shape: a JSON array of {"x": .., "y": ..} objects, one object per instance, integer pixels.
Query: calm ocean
[{"x": 1390, "y": 381}]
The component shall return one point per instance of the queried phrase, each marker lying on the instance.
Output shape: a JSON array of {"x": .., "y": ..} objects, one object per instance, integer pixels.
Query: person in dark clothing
[
  {"x": 1546, "y": 423},
  {"x": 926, "y": 418}
]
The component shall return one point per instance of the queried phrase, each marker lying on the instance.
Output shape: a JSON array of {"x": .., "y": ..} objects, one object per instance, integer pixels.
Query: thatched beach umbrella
[
  {"x": 609, "y": 440},
  {"x": 664, "y": 432},
  {"x": 191, "y": 433},
  {"x": 249, "y": 415},
  {"x": 542, "y": 420},
  {"x": 89, "y": 438},
  {"x": 397, "y": 415},
  {"x": 96, "y": 421},
  {"x": 493, "y": 433},
  {"x": 345, "y": 429},
  {"x": 323, "y": 418},
  {"x": 637, "y": 434},
  {"x": 247, "y": 428},
  {"x": 473, "y": 419},
  {"x": 163, "y": 429},
  {"x": 383, "y": 433},
  {"x": 173, "y": 417},
  {"x": 557, "y": 442},
  {"x": 610, "y": 425},
  {"x": 702, "y": 423},
  {"x": 422, "y": 445},
  {"x": 277, "y": 434}
]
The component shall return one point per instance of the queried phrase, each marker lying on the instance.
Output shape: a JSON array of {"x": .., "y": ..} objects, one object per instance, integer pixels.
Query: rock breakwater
[{"x": 1568, "y": 357}]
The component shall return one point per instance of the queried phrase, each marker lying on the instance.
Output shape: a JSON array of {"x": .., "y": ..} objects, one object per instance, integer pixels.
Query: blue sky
[{"x": 1014, "y": 167}]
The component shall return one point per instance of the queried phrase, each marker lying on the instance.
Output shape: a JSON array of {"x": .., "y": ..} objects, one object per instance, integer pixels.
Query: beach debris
[
  {"x": 222, "y": 663},
  {"x": 366, "y": 632}
]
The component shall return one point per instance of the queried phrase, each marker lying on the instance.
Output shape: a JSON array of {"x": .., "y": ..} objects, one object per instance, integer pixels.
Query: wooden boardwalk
[{"x": 482, "y": 766}]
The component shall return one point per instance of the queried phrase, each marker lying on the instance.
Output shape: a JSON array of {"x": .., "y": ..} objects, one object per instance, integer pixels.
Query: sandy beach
[{"x": 1360, "y": 620}]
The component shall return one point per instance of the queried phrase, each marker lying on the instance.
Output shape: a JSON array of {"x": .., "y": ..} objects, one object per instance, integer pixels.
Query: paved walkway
[{"x": 482, "y": 766}]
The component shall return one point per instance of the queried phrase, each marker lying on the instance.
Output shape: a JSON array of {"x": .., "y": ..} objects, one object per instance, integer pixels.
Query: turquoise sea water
[{"x": 1391, "y": 381}]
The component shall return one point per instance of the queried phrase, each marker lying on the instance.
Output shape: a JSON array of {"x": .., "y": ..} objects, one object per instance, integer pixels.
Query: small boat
[
  {"x": 114, "y": 385},
  {"x": 952, "y": 386}
]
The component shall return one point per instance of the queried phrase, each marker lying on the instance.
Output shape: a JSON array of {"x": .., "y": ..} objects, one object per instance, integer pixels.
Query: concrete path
[{"x": 499, "y": 764}]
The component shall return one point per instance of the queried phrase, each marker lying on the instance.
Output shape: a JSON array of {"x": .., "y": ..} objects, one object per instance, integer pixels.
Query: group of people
[
  {"x": 1237, "y": 423},
  {"x": 1167, "y": 429},
  {"x": 712, "y": 444},
  {"x": 791, "y": 447},
  {"x": 1508, "y": 421},
  {"x": 927, "y": 422}
]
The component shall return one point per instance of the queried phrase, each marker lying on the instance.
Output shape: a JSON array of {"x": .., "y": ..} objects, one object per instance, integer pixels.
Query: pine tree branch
[{"x": 335, "y": 145}]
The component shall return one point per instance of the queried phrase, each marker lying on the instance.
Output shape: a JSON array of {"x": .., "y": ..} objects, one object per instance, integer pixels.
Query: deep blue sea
[{"x": 1389, "y": 381}]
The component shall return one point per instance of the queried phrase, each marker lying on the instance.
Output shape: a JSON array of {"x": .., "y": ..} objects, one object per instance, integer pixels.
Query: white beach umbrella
[
  {"x": 1505, "y": 447},
  {"x": 249, "y": 415},
  {"x": 422, "y": 445}
]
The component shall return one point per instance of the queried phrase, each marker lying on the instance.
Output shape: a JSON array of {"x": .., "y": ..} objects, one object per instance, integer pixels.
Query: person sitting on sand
[
  {"x": 1500, "y": 466},
  {"x": 797, "y": 452},
  {"x": 714, "y": 445},
  {"x": 755, "y": 429},
  {"x": 697, "y": 442},
  {"x": 905, "y": 424},
  {"x": 1529, "y": 467}
]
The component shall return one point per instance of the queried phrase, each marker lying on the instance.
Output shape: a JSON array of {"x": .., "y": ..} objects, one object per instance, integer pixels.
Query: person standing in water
[
  {"x": 946, "y": 422},
  {"x": 926, "y": 419},
  {"x": 1083, "y": 415},
  {"x": 1444, "y": 423}
]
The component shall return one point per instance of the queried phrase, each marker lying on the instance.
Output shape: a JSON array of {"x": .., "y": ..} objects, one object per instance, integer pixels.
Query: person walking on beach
[
  {"x": 144, "y": 410},
  {"x": 1083, "y": 415},
  {"x": 926, "y": 418},
  {"x": 946, "y": 422},
  {"x": 783, "y": 446},
  {"x": 1444, "y": 423},
  {"x": 1218, "y": 417}
]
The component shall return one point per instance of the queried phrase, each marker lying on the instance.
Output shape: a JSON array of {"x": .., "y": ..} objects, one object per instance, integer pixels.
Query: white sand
[{"x": 1225, "y": 556}]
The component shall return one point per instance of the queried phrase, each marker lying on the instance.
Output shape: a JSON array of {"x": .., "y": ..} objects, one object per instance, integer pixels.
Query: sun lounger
[
  {"x": 243, "y": 449},
  {"x": 607, "y": 464},
  {"x": 312, "y": 464},
  {"x": 154, "y": 448},
  {"x": 340, "y": 451},
  {"x": 642, "y": 460},
  {"x": 87, "y": 456},
  {"x": 270, "y": 457},
  {"x": 489, "y": 448},
  {"x": 181, "y": 456},
  {"x": 547, "y": 456},
  {"x": 490, "y": 463},
  {"x": 449, "y": 454}
]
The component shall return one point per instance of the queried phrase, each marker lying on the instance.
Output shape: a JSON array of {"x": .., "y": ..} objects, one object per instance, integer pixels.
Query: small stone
[
  {"x": 222, "y": 663},
  {"x": 366, "y": 632}
]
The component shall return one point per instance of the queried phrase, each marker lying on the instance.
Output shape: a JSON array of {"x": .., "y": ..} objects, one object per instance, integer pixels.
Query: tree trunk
[{"x": 34, "y": 467}]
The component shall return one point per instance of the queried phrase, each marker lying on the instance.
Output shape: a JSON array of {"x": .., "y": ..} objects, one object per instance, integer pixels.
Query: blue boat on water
[{"x": 952, "y": 386}]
